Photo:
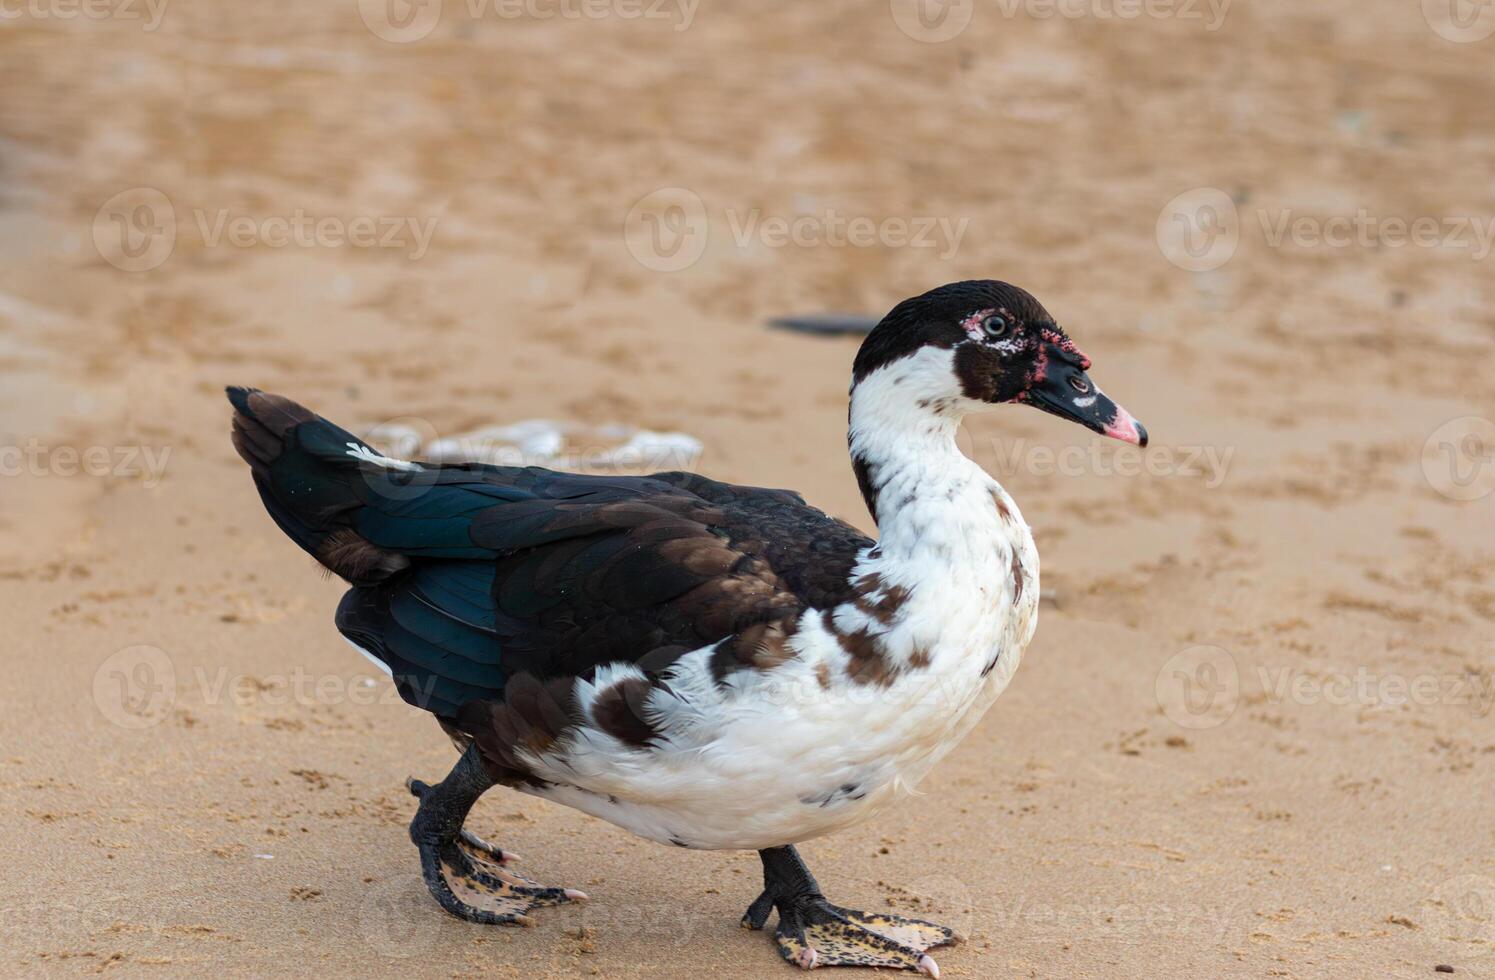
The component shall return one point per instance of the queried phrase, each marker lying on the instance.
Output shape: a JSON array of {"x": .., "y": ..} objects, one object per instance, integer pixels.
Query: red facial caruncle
[
  {"x": 972, "y": 324},
  {"x": 1059, "y": 340}
]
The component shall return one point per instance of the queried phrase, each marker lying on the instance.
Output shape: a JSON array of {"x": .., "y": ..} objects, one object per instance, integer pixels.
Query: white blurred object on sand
[{"x": 542, "y": 442}]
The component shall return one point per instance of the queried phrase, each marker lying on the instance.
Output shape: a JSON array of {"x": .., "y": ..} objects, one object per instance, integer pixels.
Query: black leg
[
  {"x": 465, "y": 874},
  {"x": 812, "y": 932}
]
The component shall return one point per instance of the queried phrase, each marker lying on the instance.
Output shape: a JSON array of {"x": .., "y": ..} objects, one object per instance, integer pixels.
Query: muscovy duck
[{"x": 704, "y": 664}]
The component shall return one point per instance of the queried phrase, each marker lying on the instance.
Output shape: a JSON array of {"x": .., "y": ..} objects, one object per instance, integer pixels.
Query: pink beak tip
[{"x": 1126, "y": 428}]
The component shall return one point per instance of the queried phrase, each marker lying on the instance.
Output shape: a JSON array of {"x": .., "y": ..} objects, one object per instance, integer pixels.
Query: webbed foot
[
  {"x": 467, "y": 876},
  {"x": 467, "y": 883},
  {"x": 812, "y": 932}
]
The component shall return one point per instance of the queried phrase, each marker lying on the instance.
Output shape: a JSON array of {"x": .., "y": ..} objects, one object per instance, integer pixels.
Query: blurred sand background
[{"x": 1186, "y": 777}]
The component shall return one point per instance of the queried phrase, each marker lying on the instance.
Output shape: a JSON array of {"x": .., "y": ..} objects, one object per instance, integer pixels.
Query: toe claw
[
  {"x": 807, "y": 958},
  {"x": 928, "y": 966},
  {"x": 757, "y": 914},
  {"x": 483, "y": 851}
]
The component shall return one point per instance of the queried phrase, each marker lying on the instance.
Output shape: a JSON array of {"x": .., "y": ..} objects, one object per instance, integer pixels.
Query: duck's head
[{"x": 971, "y": 344}]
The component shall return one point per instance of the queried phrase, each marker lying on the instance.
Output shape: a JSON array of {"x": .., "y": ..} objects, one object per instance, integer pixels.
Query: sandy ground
[{"x": 1253, "y": 736}]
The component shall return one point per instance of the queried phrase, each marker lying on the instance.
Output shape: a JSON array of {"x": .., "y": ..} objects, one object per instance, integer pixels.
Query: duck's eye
[{"x": 995, "y": 326}]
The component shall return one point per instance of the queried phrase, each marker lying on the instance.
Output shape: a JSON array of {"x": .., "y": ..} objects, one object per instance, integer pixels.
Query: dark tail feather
[
  {"x": 261, "y": 422},
  {"x": 307, "y": 482}
]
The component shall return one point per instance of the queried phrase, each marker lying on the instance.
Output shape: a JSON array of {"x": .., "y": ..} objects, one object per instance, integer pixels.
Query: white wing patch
[
  {"x": 359, "y": 451},
  {"x": 371, "y": 658}
]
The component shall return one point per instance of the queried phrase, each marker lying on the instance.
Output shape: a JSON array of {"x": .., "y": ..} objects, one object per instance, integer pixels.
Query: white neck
[
  {"x": 903, "y": 422},
  {"x": 949, "y": 536}
]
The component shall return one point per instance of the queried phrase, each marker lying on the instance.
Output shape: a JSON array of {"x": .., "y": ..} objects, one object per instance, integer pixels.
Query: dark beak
[{"x": 1067, "y": 391}]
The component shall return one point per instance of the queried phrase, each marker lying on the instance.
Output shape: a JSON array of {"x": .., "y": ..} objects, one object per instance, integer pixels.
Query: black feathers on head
[{"x": 934, "y": 320}]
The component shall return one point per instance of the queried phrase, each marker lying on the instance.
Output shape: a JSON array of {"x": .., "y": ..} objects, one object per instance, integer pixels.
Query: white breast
[{"x": 779, "y": 756}]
